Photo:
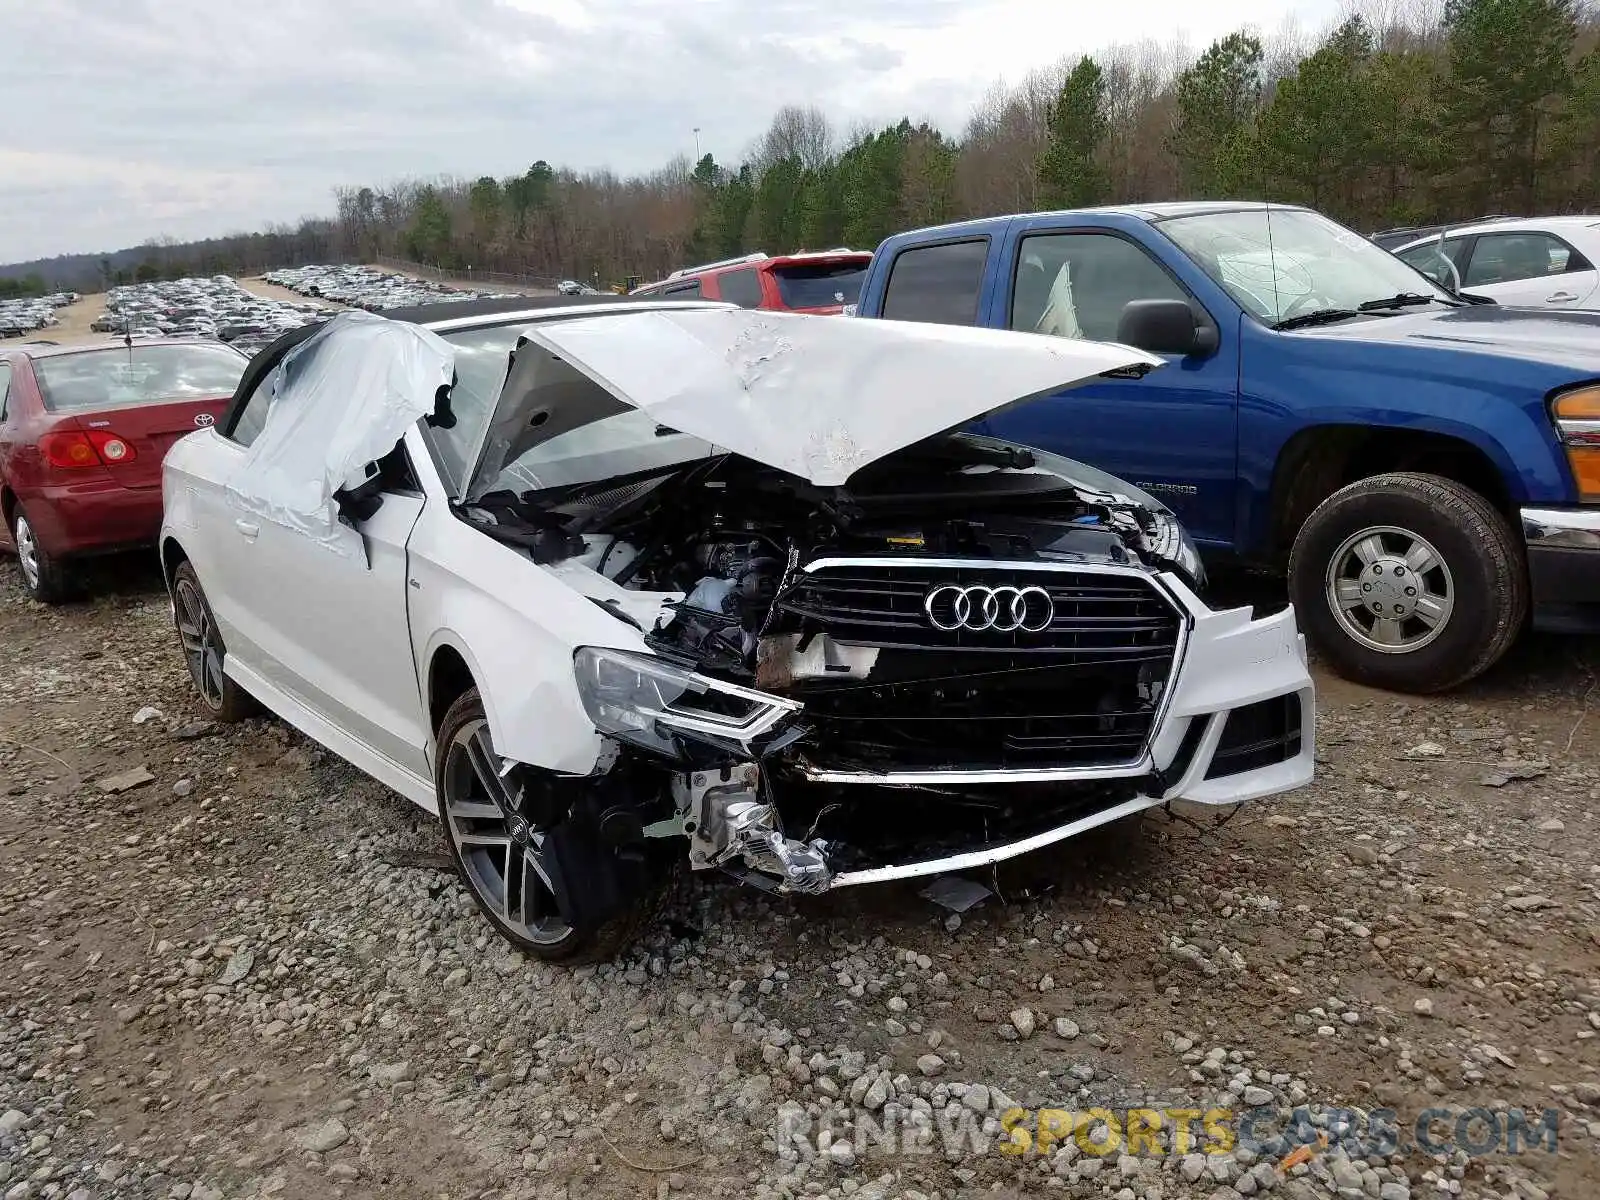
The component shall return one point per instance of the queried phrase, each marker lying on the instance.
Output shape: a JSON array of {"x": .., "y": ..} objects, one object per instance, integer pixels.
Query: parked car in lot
[
  {"x": 1426, "y": 469},
  {"x": 602, "y": 583},
  {"x": 82, "y": 433},
  {"x": 214, "y": 307},
  {"x": 1540, "y": 262},
  {"x": 1404, "y": 235},
  {"x": 821, "y": 282},
  {"x": 369, "y": 288}
]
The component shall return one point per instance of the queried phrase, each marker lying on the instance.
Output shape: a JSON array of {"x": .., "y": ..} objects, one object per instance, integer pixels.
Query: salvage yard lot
[
  {"x": 76, "y": 318},
  {"x": 250, "y": 976}
]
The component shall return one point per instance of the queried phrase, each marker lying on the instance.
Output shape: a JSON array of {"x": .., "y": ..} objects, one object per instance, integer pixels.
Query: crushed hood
[{"x": 816, "y": 397}]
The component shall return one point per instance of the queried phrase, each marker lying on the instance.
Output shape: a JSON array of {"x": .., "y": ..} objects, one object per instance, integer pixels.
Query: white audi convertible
[{"x": 609, "y": 586}]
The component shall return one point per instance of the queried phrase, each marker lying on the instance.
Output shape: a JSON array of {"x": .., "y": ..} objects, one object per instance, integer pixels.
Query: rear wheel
[
  {"x": 44, "y": 576},
  {"x": 1410, "y": 582},
  {"x": 510, "y": 867},
  {"x": 203, "y": 650}
]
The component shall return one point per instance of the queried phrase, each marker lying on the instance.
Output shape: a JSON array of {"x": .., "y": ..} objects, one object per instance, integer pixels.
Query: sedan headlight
[
  {"x": 1577, "y": 416},
  {"x": 653, "y": 703}
]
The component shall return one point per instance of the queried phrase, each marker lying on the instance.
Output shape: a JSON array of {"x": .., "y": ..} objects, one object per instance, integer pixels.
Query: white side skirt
[{"x": 358, "y": 754}]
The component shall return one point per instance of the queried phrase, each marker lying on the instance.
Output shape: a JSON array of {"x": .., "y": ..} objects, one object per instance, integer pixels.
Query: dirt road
[{"x": 234, "y": 967}]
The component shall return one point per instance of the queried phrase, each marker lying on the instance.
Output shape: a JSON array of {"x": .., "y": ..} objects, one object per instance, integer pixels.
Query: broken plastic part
[{"x": 725, "y": 818}]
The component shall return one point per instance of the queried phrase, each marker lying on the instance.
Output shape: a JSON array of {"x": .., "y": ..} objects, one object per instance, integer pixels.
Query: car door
[
  {"x": 327, "y": 630},
  {"x": 1530, "y": 268},
  {"x": 1173, "y": 432},
  {"x": 339, "y": 640}
]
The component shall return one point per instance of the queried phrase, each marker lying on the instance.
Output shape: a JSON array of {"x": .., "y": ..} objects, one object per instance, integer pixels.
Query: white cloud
[{"x": 192, "y": 118}]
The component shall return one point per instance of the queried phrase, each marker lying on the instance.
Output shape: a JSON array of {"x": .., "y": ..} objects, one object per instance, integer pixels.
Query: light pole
[{"x": 697, "y": 144}]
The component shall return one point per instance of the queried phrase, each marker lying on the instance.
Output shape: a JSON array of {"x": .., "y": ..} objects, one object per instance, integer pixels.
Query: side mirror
[
  {"x": 1165, "y": 327},
  {"x": 361, "y": 502}
]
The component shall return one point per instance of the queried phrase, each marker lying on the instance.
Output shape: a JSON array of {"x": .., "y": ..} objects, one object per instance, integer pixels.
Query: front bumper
[
  {"x": 1564, "y": 568},
  {"x": 1229, "y": 663}
]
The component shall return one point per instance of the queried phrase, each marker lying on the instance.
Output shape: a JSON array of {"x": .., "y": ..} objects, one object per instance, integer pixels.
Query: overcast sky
[{"x": 130, "y": 119}]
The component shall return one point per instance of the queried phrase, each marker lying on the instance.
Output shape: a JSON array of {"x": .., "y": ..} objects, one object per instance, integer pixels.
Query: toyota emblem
[
  {"x": 204, "y": 420},
  {"x": 1003, "y": 609}
]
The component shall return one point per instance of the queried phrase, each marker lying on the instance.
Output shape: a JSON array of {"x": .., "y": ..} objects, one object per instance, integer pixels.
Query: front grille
[
  {"x": 1082, "y": 692},
  {"x": 1096, "y": 615}
]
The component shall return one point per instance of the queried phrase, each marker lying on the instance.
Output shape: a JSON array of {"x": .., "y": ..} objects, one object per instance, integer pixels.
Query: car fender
[
  {"x": 516, "y": 625},
  {"x": 1499, "y": 409}
]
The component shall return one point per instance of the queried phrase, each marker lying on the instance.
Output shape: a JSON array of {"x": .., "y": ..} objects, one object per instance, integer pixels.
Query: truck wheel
[{"x": 1409, "y": 582}]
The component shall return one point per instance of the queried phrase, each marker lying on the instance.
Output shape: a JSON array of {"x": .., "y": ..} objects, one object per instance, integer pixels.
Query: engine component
[
  {"x": 781, "y": 662},
  {"x": 726, "y": 819}
]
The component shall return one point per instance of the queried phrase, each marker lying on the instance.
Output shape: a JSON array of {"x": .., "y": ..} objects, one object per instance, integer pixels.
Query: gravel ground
[{"x": 231, "y": 966}]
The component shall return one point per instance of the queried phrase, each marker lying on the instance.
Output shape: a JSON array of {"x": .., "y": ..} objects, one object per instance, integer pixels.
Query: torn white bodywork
[
  {"x": 819, "y": 399},
  {"x": 340, "y": 400}
]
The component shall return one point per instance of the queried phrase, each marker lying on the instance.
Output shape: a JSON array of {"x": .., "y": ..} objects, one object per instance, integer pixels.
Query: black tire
[
  {"x": 1487, "y": 580},
  {"x": 225, "y": 700},
  {"x": 44, "y": 576},
  {"x": 578, "y": 944}
]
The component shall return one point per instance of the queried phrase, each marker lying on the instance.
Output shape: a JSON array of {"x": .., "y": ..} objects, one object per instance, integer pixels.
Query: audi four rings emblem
[{"x": 1002, "y": 609}]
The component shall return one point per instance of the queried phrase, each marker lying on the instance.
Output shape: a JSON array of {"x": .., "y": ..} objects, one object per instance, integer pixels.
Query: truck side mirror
[{"x": 1165, "y": 327}]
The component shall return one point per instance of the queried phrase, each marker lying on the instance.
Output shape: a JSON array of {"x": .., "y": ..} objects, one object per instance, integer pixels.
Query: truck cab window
[
  {"x": 938, "y": 284},
  {"x": 1077, "y": 284}
]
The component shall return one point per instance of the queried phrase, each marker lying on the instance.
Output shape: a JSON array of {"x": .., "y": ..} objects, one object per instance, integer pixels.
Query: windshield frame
[{"x": 1390, "y": 276}]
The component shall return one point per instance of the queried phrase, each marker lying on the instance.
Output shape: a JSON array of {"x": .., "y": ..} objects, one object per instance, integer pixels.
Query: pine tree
[
  {"x": 1315, "y": 135},
  {"x": 1214, "y": 139},
  {"x": 1069, "y": 171},
  {"x": 1508, "y": 76}
]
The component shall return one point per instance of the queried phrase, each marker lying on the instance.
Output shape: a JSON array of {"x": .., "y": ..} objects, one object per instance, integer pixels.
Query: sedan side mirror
[
  {"x": 361, "y": 502},
  {"x": 1165, "y": 327}
]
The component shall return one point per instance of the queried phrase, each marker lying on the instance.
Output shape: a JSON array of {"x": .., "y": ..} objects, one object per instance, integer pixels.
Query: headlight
[
  {"x": 653, "y": 703},
  {"x": 1577, "y": 417}
]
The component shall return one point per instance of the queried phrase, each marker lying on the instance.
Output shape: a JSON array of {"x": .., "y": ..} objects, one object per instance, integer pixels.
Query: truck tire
[{"x": 1409, "y": 582}]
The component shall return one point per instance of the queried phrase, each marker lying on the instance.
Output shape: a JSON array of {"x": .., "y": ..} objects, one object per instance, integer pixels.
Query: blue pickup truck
[{"x": 1425, "y": 465}]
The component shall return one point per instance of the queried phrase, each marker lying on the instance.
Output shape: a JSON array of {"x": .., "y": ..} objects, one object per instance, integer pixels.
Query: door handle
[
  {"x": 1560, "y": 298},
  {"x": 248, "y": 528}
]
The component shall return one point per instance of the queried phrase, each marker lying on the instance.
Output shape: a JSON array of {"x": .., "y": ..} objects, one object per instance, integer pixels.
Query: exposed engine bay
[{"x": 965, "y": 614}]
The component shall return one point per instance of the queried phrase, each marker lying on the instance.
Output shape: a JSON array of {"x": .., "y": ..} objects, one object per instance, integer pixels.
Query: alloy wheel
[
  {"x": 1390, "y": 589},
  {"x": 27, "y": 551},
  {"x": 502, "y": 855},
  {"x": 202, "y": 649}
]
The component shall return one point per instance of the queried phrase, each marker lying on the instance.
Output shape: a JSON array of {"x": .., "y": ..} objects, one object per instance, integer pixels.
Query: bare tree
[{"x": 805, "y": 133}]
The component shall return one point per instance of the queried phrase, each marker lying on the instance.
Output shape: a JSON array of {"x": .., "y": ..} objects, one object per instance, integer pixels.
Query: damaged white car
[{"x": 616, "y": 585}]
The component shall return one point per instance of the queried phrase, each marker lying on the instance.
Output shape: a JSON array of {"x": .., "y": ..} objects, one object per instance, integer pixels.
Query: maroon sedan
[{"x": 83, "y": 430}]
